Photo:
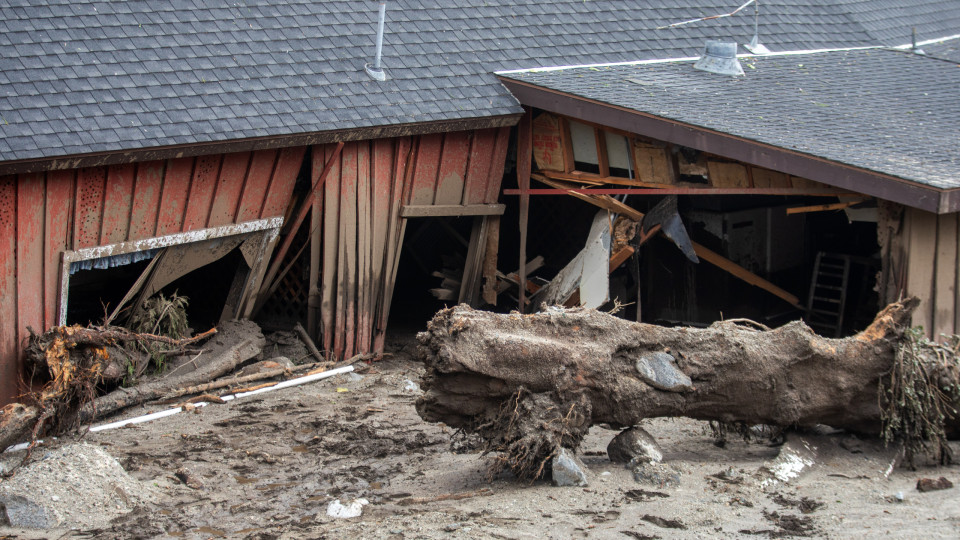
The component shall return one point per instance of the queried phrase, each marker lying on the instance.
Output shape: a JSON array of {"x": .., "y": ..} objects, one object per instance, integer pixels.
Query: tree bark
[{"x": 561, "y": 371}]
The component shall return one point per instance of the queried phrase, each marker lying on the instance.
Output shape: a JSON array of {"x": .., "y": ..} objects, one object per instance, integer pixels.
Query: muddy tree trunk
[{"x": 561, "y": 371}]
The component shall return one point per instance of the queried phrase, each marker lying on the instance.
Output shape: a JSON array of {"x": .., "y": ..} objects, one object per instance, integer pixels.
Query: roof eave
[
  {"x": 834, "y": 173},
  {"x": 252, "y": 144}
]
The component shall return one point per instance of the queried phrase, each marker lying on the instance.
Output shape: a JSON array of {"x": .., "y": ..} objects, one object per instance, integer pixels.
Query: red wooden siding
[
  {"x": 41, "y": 215},
  {"x": 362, "y": 227}
]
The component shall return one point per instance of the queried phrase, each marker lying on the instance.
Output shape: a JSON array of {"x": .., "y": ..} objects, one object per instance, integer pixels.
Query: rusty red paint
[
  {"x": 328, "y": 273},
  {"x": 206, "y": 173},
  {"x": 229, "y": 187},
  {"x": 453, "y": 168},
  {"x": 31, "y": 191},
  {"x": 255, "y": 185},
  {"x": 9, "y": 366},
  {"x": 89, "y": 209},
  {"x": 173, "y": 197},
  {"x": 118, "y": 197},
  {"x": 424, "y": 185},
  {"x": 146, "y": 200},
  {"x": 478, "y": 172},
  {"x": 348, "y": 243},
  {"x": 59, "y": 216},
  {"x": 282, "y": 181}
]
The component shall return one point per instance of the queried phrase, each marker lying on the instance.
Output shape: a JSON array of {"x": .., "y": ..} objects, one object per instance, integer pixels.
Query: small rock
[
  {"x": 568, "y": 470},
  {"x": 338, "y": 510},
  {"x": 634, "y": 444},
  {"x": 929, "y": 484},
  {"x": 660, "y": 371},
  {"x": 451, "y": 527},
  {"x": 656, "y": 474},
  {"x": 189, "y": 479}
]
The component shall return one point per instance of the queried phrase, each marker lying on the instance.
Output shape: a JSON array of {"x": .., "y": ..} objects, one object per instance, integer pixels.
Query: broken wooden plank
[
  {"x": 620, "y": 257},
  {"x": 724, "y": 174},
  {"x": 331, "y": 251},
  {"x": 742, "y": 273},
  {"x": 489, "y": 269},
  {"x": 825, "y": 207},
  {"x": 524, "y": 151},
  {"x": 653, "y": 163},
  {"x": 443, "y": 210}
]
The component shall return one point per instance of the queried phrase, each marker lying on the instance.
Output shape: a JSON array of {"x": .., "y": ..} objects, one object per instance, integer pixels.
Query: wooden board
[
  {"x": 331, "y": 251},
  {"x": 945, "y": 284},
  {"x": 497, "y": 165},
  {"x": 724, "y": 174},
  {"x": 765, "y": 178},
  {"x": 146, "y": 200},
  {"x": 233, "y": 171},
  {"x": 652, "y": 163},
  {"x": 206, "y": 173},
  {"x": 548, "y": 147},
  {"x": 282, "y": 181},
  {"x": 9, "y": 350},
  {"x": 453, "y": 167},
  {"x": 31, "y": 191},
  {"x": 364, "y": 241},
  {"x": 173, "y": 199},
  {"x": 255, "y": 185},
  {"x": 423, "y": 188},
  {"x": 797, "y": 182},
  {"x": 59, "y": 215},
  {"x": 89, "y": 206},
  {"x": 921, "y": 262},
  {"x": 477, "y": 180},
  {"x": 118, "y": 199}
]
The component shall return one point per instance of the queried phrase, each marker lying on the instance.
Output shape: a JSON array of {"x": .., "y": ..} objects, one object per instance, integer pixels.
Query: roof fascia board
[
  {"x": 752, "y": 152},
  {"x": 252, "y": 144}
]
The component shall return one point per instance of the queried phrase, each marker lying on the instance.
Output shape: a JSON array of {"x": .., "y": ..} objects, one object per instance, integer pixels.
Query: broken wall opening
[{"x": 432, "y": 259}]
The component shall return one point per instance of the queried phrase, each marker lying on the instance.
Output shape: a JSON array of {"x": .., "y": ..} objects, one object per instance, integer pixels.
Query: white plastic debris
[
  {"x": 410, "y": 386},
  {"x": 338, "y": 510}
]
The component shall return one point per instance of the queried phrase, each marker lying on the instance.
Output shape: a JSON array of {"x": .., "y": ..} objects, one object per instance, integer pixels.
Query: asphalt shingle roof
[
  {"x": 887, "y": 111},
  {"x": 79, "y": 77}
]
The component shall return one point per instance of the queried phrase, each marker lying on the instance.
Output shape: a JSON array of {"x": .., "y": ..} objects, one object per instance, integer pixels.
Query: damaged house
[{"x": 279, "y": 160}]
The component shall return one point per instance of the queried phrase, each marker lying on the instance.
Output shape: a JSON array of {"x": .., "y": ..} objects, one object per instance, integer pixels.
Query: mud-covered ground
[{"x": 268, "y": 466}]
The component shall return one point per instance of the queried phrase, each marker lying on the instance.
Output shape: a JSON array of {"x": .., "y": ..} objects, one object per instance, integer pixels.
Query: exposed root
[
  {"x": 919, "y": 396},
  {"x": 530, "y": 429}
]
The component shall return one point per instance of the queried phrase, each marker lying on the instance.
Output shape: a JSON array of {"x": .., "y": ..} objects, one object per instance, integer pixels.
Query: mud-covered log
[{"x": 562, "y": 371}]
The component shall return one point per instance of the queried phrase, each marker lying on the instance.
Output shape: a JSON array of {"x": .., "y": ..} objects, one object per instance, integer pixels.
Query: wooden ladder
[{"x": 828, "y": 293}]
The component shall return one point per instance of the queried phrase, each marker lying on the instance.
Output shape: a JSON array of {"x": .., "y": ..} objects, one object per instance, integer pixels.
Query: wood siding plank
[
  {"x": 255, "y": 186},
  {"x": 478, "y": 170},
  {"x": 118, "y": 200},
  {"x": 9, "y": 349},
  {"x": 945, "y": 290},
  {"x": 364, "y": 247},
  {"x": 146, "y": 200},
  {"x": 226, "y": 199},
  {"x": 57, "y": 219},
  {"x": 89, "y": 206},
  {"x": 921, "y": 255},
  {"x": 206, "y": 173},
  {"x": 31, "y": 191},
  {"x": 381, "y": 177},
  {"x": 422, "y": 189},
  {"x": 173, "y": 197},
  {"x": 497, "y": 165},
  {"x": 453, "y": 167},
  {"x": 282, "y": 182},
  {"x": 331, "y": 251},
  {"x": 348, "y": 242}
]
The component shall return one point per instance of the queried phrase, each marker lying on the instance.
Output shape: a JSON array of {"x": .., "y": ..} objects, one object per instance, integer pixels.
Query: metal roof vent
[
  {"x": 376, "y": 71},
  {"x": 719, "y": 57}
]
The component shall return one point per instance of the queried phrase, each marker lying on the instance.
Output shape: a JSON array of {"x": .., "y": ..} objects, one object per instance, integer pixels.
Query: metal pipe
[{"x": 383, "y": 17}]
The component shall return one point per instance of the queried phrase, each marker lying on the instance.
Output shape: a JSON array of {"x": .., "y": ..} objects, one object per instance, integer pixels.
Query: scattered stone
[
  {"x": 74, "y": 486},
  {"x": 642, "y": 495},
  {"x": 729, "y": 476},
  {"x": 451, "y": 527},
  {"x": 665, "y": 523},
  {"x": 929, "y": 484},
  {"x": 338, "y": 510},
  {"x": 660, "y": 371},
  {"x": 189, "y": 479},
  {"x": 634, "y": 445},
  {"x": 568, "y": 470},
  {"x": 656, "y": 474}
]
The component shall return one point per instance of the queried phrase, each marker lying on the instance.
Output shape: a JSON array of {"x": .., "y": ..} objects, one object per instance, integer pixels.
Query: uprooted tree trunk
[{"x": 529, "y": 384}]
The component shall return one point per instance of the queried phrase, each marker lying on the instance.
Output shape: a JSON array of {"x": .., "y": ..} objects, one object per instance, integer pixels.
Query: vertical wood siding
[
  {"x": 931, "y": 248},
  {"x": 42, "y": 215},
  {"x": 362, "y": 229}
]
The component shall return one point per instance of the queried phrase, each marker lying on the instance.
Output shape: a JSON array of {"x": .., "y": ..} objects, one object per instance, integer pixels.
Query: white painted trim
[
  {"x": 694, "y": 58},
  {"x": 131, "y": 246}
]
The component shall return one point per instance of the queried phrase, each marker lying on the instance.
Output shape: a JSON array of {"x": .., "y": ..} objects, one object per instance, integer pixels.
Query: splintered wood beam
[
  {"x": 524, "y": 164},
  {"x": 825, "y": 207},
  {"x": 620, "y": 257},
  {"x": 742, "y": 273}
]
